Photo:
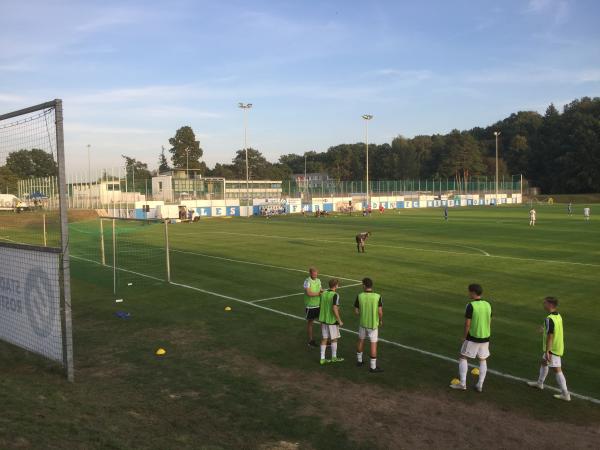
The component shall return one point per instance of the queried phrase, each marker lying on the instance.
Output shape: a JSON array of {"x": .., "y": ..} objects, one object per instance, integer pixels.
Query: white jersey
[
  {"x": 532, "y": 214},
  {"x": 586, "y": 212}
]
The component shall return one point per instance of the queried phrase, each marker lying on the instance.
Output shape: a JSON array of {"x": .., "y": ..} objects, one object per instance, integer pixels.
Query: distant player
[
  {"x": 570, "y": 208},
  {"x": 586, "y": 213},
  {"x": 331, "y": 322},
  {"x": 369, "y": 306},
  {"x": 312, "y": 301},
  {"x": 360, "y": 240},
  {"x": 554, "y": 347},
  {"x": 446, "y": 212},
  {"x": 532, "y": 217},
  {"x": 476, "y": 338},
  {"x": 381, "y": 208}
]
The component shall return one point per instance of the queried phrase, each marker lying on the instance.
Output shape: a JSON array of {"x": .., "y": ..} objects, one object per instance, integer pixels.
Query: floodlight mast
[
  {"x": 367, "y": 117},
  {"x": 496, "y": 133},
  {"x": 245, "y": 107}
]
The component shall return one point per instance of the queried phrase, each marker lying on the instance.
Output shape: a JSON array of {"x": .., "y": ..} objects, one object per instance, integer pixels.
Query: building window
[{"x": 160, "y": 185}]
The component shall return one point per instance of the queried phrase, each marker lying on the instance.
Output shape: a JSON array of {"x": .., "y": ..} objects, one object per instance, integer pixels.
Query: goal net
[{"x": 35, "y": 303}]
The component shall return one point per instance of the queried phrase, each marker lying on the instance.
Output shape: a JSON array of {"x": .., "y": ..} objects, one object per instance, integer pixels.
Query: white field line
[
  {"x": 258, "y": 264},
  {"x": 516, "y": 258},
  {"x": 333, "y": 241},
  {"x": 395, "y": 344},
  {"x": 297, "y": 293},
  {"x": 108, "y": 266}
]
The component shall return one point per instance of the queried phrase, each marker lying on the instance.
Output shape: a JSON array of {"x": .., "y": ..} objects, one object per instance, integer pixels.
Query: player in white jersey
[
  {"x": 586, "y": 213},
  {"x": 532, "y": 217}
]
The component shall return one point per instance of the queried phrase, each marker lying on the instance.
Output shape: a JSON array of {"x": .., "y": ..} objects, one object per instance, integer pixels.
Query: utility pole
[
  {"x": 496, "y": 133},
  {"x": 245, "y": 107},
  {"x": 367, "y": 117},
  {"x": 89, "y": 177}
]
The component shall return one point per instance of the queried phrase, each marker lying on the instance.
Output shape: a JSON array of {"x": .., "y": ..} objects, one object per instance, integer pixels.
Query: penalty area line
[
  {"x": 296, "y": 294},
  {"x": 515, "y": 258},
  {"x": 271, "y": 266},
  {"x": 293, "y": 316}
]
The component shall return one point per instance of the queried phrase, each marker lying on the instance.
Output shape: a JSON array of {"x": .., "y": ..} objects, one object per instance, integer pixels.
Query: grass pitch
[{"x": 239, "y": 378}]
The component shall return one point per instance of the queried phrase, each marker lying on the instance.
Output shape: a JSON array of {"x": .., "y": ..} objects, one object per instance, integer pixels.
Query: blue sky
[{"x": 131, "y": 73}]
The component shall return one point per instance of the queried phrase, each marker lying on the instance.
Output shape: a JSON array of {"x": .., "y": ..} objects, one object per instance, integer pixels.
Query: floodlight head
[
  {"x": 367, "y": 116},
  {"x": 245, "y": 105},
  {"x": 496, "y": 133}
]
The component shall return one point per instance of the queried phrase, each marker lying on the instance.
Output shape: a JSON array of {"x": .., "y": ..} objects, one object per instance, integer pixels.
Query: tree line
[{"x": 557, "y": 151}]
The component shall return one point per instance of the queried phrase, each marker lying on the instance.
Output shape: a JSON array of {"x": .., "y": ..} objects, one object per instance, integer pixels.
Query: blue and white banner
[{"x": 30, "y": 301}]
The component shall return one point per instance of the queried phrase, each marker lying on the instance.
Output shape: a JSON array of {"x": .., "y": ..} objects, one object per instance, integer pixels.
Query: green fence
[{"x": 331, "y": 188}]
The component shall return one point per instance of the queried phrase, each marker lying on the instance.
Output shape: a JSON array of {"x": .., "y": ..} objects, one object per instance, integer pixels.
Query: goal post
[{"x": 35, "y": 282}]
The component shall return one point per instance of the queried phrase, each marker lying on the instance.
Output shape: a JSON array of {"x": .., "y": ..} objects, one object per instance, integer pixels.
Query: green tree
[
  {"x": 258, "y": 166},
  {"x": 32, "y": 163},
  {"x": 406, "y": 159},
  {"x": 163, "y": 163},
  {"x": 136, "y": 169},
  {"x": 223, "y": 171},
  {"x": 8, "y": 181},
  {"x": 185, "y": 149},
  {"x": 463, "y": 157}
]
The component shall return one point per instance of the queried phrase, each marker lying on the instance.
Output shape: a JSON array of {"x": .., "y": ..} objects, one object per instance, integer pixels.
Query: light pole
[
  {"x": 496, "y": 133},
  {"x": 245, "y": 107},
  {"x": 89, "y": 177},
  {"x": 367, "y": 117},
  {"x": 305, "y": 180}
]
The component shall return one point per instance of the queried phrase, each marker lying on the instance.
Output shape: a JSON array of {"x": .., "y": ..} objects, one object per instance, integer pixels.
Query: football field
[{"x": 231, "y": 367}]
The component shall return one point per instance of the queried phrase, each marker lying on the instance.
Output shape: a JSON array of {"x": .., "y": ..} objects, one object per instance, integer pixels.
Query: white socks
[
  {"x": 463, "y": 366},
  {"x": 323, "y": 347},
  {"x": 359, "y": 357},
  {"x": 333, "y": 349},
  {"x": 562, "y": 383},
  {"x": 543, "y": 374},
  {"x": 373, "y": 363},
  {"x": 482, "y": 372}
]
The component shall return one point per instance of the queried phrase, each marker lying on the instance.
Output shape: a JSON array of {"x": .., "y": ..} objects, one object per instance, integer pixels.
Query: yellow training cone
[
  {"x": 228, "y": 308},
  {"x": 455, "y": 381},
  {"x": 161, "y": 352},
  {"x": 475, "y": 371}
]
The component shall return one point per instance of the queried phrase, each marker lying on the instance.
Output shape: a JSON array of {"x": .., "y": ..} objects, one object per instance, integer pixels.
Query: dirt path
[{"x": 396, "y": 419}]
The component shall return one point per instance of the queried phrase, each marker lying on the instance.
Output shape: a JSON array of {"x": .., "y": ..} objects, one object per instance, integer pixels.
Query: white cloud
[
  {"x": 538, "y": 75},
  {"x": 406, "y": 75},
  {"x": 76, "y": 127},
  {"x": 559, "y": 10}
]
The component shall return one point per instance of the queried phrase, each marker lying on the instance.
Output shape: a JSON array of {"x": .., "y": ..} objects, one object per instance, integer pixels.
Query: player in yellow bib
[
  {"x": 476, "y": 337},
  {"x": 330, "y": 319},
  {"x": 369, "y": 306},
  {"x": 553, "y": 344},
  {"x": 312, "y": 302}
]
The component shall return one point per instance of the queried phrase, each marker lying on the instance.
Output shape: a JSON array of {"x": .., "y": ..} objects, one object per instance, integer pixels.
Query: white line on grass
[
  {"x": 332, "y": 241},
  {"x": 257, "y": 264},
  {"x": 552, "y": 261},
  {"x": 296, "y": 293},
  {"x": 108, "y": 266},
  {"x": 292, "y": 316}
]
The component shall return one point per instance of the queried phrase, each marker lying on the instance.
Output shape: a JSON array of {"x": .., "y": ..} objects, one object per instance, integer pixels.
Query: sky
[{"x": 131, "y": 72}]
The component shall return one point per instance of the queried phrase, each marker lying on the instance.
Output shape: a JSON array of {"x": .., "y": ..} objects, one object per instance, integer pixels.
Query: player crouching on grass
[
  {"x": 476, "y": 339},
  {"x": 369, "y": 306},
  {"x": 554, "y": 347},
  {"x": 360, "y": 240},
  {"x": 312, "y": 300},
  {"x": 331, "y": 322}
]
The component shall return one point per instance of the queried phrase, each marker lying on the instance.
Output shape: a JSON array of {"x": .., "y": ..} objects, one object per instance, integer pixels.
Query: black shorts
[{"x": 312, "y": 313}]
